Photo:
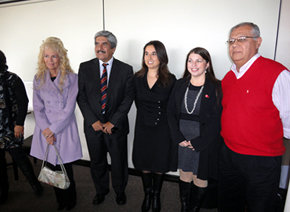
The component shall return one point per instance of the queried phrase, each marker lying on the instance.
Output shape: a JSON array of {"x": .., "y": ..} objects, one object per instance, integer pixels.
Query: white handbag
[{"x": 57, "y": 179}]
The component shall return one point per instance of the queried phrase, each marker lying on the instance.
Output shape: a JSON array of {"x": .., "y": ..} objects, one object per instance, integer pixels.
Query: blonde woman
[{"x": 54, "y": 99}]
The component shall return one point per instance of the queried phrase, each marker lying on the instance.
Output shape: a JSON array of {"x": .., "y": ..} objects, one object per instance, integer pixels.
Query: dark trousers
[
  {"x": 99, "y": 144},
  {"x": 22, "y": 161},
  {"x": 65, "y": 196},
  {"x": 3, "y": 177},
  {"x": 247, "y": 181}
]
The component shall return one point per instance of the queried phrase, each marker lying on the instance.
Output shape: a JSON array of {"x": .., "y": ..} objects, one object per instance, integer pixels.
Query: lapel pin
[{"x": 206, "y": 96}]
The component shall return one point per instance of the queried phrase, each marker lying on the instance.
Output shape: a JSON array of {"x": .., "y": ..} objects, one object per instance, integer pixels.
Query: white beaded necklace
[{"x": 195, "y": 101}]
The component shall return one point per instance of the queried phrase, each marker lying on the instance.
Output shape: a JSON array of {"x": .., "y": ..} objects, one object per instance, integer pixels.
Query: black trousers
[
  {"x": 248, "y": 182},
  {"x": 3, "y": 176},
  {"x": 65, "y": 196},
  {"x": 23, "y": 162},
  {"x": 99, "y": 144}
]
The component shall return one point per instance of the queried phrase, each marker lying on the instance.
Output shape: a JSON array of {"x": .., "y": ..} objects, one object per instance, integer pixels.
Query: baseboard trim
[{"x": 131, "y": 171}]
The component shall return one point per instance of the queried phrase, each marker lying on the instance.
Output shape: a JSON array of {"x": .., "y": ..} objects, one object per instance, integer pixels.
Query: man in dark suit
[{"x": 104, "y": 90}]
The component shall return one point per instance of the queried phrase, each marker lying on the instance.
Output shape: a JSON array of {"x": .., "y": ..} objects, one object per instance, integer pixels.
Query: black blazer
[
  {"x": 118, "y": 94},
  {"x": 210, "y": 112}
]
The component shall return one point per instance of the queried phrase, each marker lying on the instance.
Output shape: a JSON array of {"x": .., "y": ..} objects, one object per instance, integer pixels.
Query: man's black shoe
[
  {"x": 61, "y": 206},
  {"x": 70, "y": 206},
  {"x": 98, "y": 199},
  {"x": 121, "y": 198}
]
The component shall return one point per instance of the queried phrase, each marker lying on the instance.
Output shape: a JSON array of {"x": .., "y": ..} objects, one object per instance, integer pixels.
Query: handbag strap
[
  {"x": 45, "y": 157},
  {"x": 58, "y": 156}
]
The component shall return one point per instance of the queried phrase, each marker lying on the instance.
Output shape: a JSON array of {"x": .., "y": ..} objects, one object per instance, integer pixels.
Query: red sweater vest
[{"x": 251, "y": 124}]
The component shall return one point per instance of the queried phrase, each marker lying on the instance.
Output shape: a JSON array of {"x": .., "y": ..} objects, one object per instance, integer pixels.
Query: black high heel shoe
[
  {"x": 70, "y": 206},
  {"x": 61, "y": 206}
]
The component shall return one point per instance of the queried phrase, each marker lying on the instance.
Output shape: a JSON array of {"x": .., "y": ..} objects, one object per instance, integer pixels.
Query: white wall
[
  {"x": 283, "y": 52},
  {"x": 184, "y": 24},
  {"x": 181, "y": 25}
]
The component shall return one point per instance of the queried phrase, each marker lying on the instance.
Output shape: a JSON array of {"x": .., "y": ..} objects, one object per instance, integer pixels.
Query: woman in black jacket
[
  {"x": 13, "y": 110},
  {"x": 194, "y": 121},
  {"x": 152, "y": 143}
]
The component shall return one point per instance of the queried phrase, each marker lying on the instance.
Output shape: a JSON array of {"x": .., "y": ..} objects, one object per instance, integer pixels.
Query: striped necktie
[{"x": 104, "y": 88}]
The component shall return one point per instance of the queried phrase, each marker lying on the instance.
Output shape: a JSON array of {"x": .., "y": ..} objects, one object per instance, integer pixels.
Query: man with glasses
[{"x": 255, "y": 118}]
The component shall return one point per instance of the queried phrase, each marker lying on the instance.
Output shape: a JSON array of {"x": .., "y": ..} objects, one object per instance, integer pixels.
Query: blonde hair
[{"x": 56, "y": 45}]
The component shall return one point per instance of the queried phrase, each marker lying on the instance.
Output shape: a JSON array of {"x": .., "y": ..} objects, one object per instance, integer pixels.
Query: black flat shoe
[
  {"x": 3, "y": 199},
  {"x": 121, "y": 198},
  {"x": 61, "y": 206},
  {"x": 70, "y": 206},
  {"x": 38, "y": 189},
  {"x": 98, "y": 199}
]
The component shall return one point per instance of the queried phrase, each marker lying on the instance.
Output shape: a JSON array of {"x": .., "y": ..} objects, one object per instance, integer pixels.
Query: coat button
[{"x": 155, "y": 123}]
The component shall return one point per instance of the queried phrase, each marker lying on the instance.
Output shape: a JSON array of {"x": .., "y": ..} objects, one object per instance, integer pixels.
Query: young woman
[
  {"x": 152, "y": 144},
  {"x": 194, "y": 116}
]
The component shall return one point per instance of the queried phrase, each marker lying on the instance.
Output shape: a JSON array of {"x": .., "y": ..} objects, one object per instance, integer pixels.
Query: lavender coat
[{"x": 55, "y": 110}]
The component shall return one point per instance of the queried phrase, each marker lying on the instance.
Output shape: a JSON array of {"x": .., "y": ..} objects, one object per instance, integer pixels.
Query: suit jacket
[
  {"x": 119, "y": 95},
  {"x": 210, "y": 111},
  {"x": 54, "y": 109}
]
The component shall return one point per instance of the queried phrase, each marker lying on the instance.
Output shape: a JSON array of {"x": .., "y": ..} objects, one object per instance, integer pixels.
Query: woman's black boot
[
  {"x": 157, "y": 185},
  {"x": 184, "y": 192},
  {"x": 198, "y": 194},
  {"x": 147, "y": 186}
]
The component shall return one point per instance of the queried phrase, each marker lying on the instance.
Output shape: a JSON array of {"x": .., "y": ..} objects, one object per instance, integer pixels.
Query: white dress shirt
[{"x": 108, "y": 67}]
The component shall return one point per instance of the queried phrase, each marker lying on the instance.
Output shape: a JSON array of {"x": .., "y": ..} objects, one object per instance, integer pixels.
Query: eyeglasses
[{"x": 240, "y": 39}]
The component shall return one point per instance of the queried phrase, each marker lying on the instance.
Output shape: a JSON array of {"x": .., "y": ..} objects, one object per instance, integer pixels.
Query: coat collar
[
  {"x": 54, "y": 84},
  {"x": 113, "y": 76}
]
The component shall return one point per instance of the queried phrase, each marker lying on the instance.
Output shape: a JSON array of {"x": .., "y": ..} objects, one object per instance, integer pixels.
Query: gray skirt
[{"x": 188, "y": 159}]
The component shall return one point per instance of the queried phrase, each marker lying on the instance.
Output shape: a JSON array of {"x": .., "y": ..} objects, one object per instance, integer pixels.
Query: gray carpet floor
[{"x": 21, "y": 197}]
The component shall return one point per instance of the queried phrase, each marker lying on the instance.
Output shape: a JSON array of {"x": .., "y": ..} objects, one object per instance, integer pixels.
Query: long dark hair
[
  {"x": 209, "y": 71},
  {"x": 163, "y": 71},
  {"x": 206, "y": 56}
]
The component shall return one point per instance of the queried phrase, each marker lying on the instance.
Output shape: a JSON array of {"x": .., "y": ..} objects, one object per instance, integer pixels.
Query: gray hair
[
  {"x": 109, "y": 35},
  {"x": 255, "y": 28}
]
